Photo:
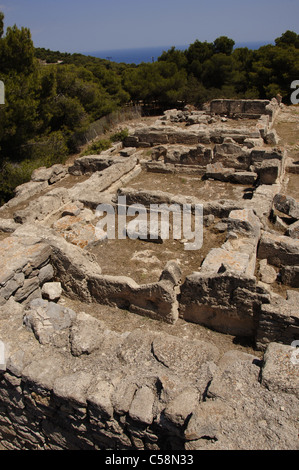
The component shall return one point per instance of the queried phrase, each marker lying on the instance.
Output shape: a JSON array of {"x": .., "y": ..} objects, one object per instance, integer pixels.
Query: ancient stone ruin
[{"x": 138, "y": 343}]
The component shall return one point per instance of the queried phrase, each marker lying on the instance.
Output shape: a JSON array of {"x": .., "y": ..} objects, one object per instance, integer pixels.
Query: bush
[
  {"x": 97, "y": 147},
  {"x": 119, "y": 136}
]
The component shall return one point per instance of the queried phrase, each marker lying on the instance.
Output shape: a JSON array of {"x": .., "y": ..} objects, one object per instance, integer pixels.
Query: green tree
[
  {"x": 17, "y": 51},
  {"x": 289, "y": 38},
  {"x": 176, "y": 56},
  {"x": 1, "y": 24},
  {"x": 223, "y": 45}
]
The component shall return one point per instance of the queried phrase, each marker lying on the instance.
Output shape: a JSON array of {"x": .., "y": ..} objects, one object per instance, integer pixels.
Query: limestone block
[
  {"x": 293, "y": 230},
  {"x": 86, "y": 334},
  {"x": 43, "y": 206},
  {"x": 141, "y": 408},
  {"x": 99, "y": 400},
  {"x": 230, "y": 261},
  {"x": 52, "y": 291},
  {"x": 8, "y": 225},
  {"x": 73, "y": 387},
  {"x": 279, "y": 250},
  {"x": 41, "y": 174},
  {"x": 182, "y": 406},
  {"x": 279, "y": 321},
  {"x": 29, "y": 286},
  {"x": 267, "y": 272},
  {"x": 49, "y": 322},
  {"x": 287, "y": 205},
  {"x": 290, "y": 275},
  {"x": 269, "y": 171},
  {"x": 279, "y": 373},
  {"x": 46, "y": 274}
]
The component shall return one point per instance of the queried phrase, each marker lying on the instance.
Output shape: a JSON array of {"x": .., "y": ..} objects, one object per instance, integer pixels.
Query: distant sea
[{"x": 151, "y": 54}]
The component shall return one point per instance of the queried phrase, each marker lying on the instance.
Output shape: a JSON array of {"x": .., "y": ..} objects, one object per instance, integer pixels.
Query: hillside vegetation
[{"x": 51, "y": 98}]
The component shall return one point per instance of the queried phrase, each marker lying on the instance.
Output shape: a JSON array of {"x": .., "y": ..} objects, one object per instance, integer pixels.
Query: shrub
[{"x": 97, "y": 147}]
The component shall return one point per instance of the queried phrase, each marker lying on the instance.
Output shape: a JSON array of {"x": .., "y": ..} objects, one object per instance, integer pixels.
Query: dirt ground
[
  {"x": 122, "y": 321},
  {"x": 144, "y": 261},
  {"x": 186, "y": 185}
]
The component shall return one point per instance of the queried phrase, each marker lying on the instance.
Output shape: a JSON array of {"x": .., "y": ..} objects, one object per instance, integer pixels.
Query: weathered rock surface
[
  {"x": 279, "y": 320},
  {"x": 279, "y": 250}
]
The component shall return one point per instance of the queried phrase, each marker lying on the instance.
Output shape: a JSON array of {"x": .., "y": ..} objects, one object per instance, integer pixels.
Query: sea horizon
[{"x": 138, "y": 55}]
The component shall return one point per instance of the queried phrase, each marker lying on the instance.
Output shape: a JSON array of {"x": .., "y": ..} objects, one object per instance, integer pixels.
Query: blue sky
[{"x": 93, "y": 25}]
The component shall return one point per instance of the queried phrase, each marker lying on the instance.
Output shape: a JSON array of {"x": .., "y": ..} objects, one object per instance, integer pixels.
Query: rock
[
  {"x": 251, "y": 143},
  {"x": 72, "y": 209},
  {"x": 99, "y": 398},
  {"x": 218, "y": 172},
  {"x": 42, "y": 207},
  {"x": 225, "y": 301},
  {"x": 19, "y": 260},
  {"x": 172, "y": 273},
  {"x": 141, "y": 408},
  {"x": 279, "y": 250},
  {"x": 159, "y": 152},
  {"x": 244, "y": 177},
  {"x": 287, "y": 205},
  {"x": 127, "y": 151},
  {"x": 184, "y": 359},
  {"x": 279, "y": 321},
  {"x": 86, "y": 334},
  {"x": 58, "y": 172},
  {"x": 8, "y": 225},
  {"x": 79, "y": 230},
  {"x": 267, "y": 272},
  {"x": 73, "y": 387},
  {"x": 27, "y": 190},
  {"x": 88, "y": 192},
  {"x": 235, "y": 373},
  {"x": 279, "y": 372},
  {"x": 290, "y": 275},
  {"x": 208, "y": 220},
  {"x": 28, "y": 288},
  {"x": 182, "y": 406},
  {"x": 12, "y": 285},
  {"x": 123, "y": 395},
  {"x": 46, "y": 274},
  {"x": 245, "y": 222},
  {"x": 221, "y": 227},
  {"x": 52, "y": 291},
  {"x": 272, "y": 138},
  {"x": 147, "y": 232},
  {"x": 205, "y": 421},
  {"x": 41, "y": 174},
  {"x": 49, "y": 322},
  {"x": 293, "y": 230},
  {"x": 269, "y": 171}
]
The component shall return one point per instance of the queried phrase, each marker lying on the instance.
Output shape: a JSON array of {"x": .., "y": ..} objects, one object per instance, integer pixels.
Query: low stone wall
[
  {"x": 24, "y": 269},
  {"x": 224, "y": 295},
  {"x": 279, "y": 321},
  {"x": 244, "y": 108},
  {"x": 71, "y": 383},
  {"x": 81, "y": 277}
]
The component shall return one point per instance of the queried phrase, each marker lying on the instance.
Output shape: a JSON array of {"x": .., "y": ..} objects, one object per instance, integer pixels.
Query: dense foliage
[{"x": 50, "y": 97}]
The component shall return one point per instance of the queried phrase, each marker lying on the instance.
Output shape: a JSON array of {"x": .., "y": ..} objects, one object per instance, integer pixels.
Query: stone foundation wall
[
  {"x": 69, "y": 382},
  {"x": 24, "y": 269},
  {"x": 253, "y": 109}
]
